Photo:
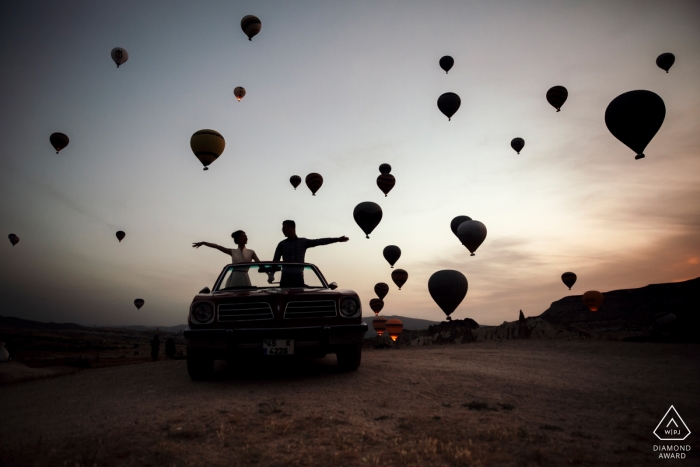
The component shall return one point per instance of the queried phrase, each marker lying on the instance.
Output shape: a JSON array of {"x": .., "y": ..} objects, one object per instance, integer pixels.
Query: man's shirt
[{"x": 293, "y": 250}]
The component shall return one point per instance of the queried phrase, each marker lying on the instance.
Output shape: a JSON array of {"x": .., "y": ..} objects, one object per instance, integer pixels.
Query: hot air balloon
[
  {"x": 446, "y": 63},
  {"x": 448, "y": 104},
  {"x": 448, "y": 288},
  {"x": 385, "y": 168},
  {"x": 569, "y": 279},
  {"x": 139, "y": 302},
  {"x": 207, "y": 145},
  {"x": 239, "y": 92},
  {"x": 517, "y": 144},
  {"x": 386, "y": 182},
  {"x": 593, "y": 299},
  {"x": 456, "y": 221},
  {"x": 58, "y": 141},
  {"x": 376, "y": 304},
  {"x": 295, "y": 180},
  {"x": 119, "y": 56},
  {"x": 665, "y": 61},
  {"x": 392, "y": 253},
  {"x": 379, "y": 325},
  {"x": 120, "y": 236},
  {"x": 251, "y": 26},
  {"x": 556, "y": 96},
  {"x": 14, "y": 239},
  {"x": 471, "y": 234},
  {"x": 367, "y": 215},
  {"x": 399, "y": 276},
  {"x": 314, "y": 182},
  {"x": 381, "y": 289},
  {"x": 394, "y": 328},
  {"x": 634, "y": 118}
]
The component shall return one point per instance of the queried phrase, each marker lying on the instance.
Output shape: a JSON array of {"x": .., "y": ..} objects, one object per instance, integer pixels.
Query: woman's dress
[{"x": 239, "y": 276}]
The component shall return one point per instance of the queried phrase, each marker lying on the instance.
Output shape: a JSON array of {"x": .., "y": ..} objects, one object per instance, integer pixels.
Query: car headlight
[
  {"x": 349, "y": 307},
  {"x": 202, "y": 312}
]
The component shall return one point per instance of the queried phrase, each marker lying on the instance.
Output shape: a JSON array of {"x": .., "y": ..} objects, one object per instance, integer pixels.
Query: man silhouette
[{"x": 293, "y": 250}]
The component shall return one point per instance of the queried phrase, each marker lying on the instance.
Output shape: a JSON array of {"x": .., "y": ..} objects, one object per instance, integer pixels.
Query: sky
[{"x": 339, "y": 88}]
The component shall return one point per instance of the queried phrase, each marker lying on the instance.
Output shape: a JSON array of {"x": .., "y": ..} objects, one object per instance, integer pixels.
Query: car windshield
[{"x": 270, "y": 276}]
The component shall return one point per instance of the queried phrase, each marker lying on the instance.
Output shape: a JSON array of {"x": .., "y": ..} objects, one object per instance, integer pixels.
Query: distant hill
[
  {"x": 413, "y": 324},
  {"x": 12, "y": 322},
  {"x": 175, "y": 329}
]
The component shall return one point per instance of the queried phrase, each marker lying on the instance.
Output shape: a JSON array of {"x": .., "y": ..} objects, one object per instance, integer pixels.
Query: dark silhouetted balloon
[
  {"x": 314, "y": 182},
  {"x": 634, "y": 118},
  {"x": 207, "y": 145},
  {"x": 139, "y": 302},
  {"x": 665, "y": 61},
  {"x": 119, "y": 56},
  {"x": 456, "y": 221},
  {"x": 251, "y": 25},
  {"x": 367, "y": 215},
  {"x": 386, "y": 182},
  {"x": 392, "y": 253},
  {"x": 569, "y": 279},
  {"x": 448, "y": 104},
  {"x": 471, "y": 234},
  {"x": 14, "y": 239},
  {"x": 399, "y": 276},
  {"x": 593, "y": 300},
  {"x": 394, "y": 328},
  {"x": 239, "y": 92},
  {"x": 295, "y": 180},
  {"x": 58, "y": 141},
  {"x": 381, "y": 289},
  {"x": 556, "y": 96},
  {"x": 385, "y": 168},
  {"x": 379, "y": 325},
  {"x": 446, "y": 63},
  {"x": 376, "y": 304},
  {"x": 448, "y": 288},
  {"x": 518, "y": 144},
  {"x": 120, "y": 235}
]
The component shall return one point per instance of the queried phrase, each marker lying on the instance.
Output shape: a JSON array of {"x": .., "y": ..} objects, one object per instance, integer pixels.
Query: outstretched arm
[
  {"x": 212, "y": 245},
  {"x": 325, "y": 241}
]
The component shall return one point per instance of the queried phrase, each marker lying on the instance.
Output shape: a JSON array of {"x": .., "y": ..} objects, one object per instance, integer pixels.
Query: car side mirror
[
  {"x": 333, "y": 286},
  {"x": 205, "y": 290}
]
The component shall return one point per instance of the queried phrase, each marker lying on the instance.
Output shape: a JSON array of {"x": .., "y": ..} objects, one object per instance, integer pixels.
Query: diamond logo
[{"x": 672, "y": 427}]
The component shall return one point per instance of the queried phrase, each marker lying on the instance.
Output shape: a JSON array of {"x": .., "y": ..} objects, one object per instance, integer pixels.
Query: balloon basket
[
  {"x": 639, "y": 156},
  {"x": 473, "y": 254},
  {"x": 367, "y": 236},
  {"x": 206, "y": 168}
]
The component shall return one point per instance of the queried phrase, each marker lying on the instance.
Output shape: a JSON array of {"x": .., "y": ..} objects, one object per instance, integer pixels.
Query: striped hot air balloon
[
  {"x": 381, "y": 289},
  {"x": 471, "y": 234},
  {"x": 295, "y": 180},
  {"x": 207, "y": 145},
  {"x": 399, "y": 276},
  {"x": 367, "y": 215},
  {"x": 448, "y": 288},
  {"x": 386, "y": 182},
  {"x": 314, "y": 182},
  {"x": 385, "y": 168},
  {"x": 239, "y": 92},
  {"x": 665, "y": 61},
  {"x": 379, "y": 325},
  {"x": 518, "y": 144},
  {"x": 139, "y": 302},
  {"x": 120, "y": 235},
  {"x": 448, "y": 104},
  {"x": 58, "y": 141},
  {"x": 569, "y": 279},
  {"x": 593, "y": 300},
  {"x": 251, "y": 25},
  {"x": 556, "y": 96},
  {"x": 376, "y": 304},
  {"x": 394, "y": 328},
  {"x": 14, "y": 239}
]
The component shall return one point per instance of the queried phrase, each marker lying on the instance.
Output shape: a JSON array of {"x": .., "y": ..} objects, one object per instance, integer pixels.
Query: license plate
[{"x": 278, "y": 347}]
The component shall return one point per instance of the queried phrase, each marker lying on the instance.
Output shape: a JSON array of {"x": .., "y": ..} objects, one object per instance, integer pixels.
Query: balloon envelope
[
  {"x": 392, "y": 253},
  {"x": 399, "y": 276},
  {"x": 139, "y": 302},
  {"x": 379, "y": 325},
  {"x": 314, "y": 182},
  {"x": 367, "y": 215},
  {"x": 569, "y": 279},
  {"x": 518, "y": 144},
  {"x": 448, "y": 288},
  {"x": 376, "y": 304},
  {"x": 471, "y": 234},
  {"x": 119, "y": 55},
  {"x": 394, "y": 328},
  {"x": 446, "y": 63},
  {"x": 385, "y": 168},
  {"x": 386, "y": 182},
  {"x": 448, "y": 104},
  {"x": 58, "y": 141},
  {"x": 634, "y": 118},
  {"x": 381, "y": 289},
  {"x": 120, "y": 235},
  {"x": 14, "y": 239},
  {"x": 456, "y": 221},
  {"x": 207, "y": 145},
  {"x": 593, "y": 299},
  {"x": 239, "y": 92},
  {"x": 251, "y": 25},
  {"x": 665, "y": 61},
  {"x": 295, "y": 180},
  {"x": 556, "y": 96}
]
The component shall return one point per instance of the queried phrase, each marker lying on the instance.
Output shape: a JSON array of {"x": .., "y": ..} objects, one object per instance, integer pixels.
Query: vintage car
[{"x": 273, "y": 309}]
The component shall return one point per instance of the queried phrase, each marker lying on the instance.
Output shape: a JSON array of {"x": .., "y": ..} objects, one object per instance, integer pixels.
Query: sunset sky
[{"x": 339, "y": 88}]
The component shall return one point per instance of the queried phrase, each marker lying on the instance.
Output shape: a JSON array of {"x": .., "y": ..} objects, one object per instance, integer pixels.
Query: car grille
[
  {"x": 245, "y": 311},
  {"x": 310, "y": 309}
]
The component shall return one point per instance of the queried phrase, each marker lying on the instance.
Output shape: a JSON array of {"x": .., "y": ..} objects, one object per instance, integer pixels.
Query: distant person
[
  {"x": 239, "y": 276},
  {"x": 155, "y": 347},
  {"x": 293, "y": 250}
]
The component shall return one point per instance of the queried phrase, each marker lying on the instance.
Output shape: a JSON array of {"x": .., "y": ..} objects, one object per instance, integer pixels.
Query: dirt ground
[{"x": 519, "y": 403}]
